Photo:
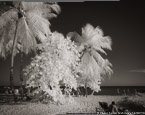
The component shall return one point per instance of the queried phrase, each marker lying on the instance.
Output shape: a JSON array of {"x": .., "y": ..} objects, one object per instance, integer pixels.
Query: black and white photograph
[{"x": 72, "y": 57}]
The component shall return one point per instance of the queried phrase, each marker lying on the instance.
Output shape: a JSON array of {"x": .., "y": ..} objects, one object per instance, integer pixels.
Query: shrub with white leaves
[{"x": 56, "y": 65}]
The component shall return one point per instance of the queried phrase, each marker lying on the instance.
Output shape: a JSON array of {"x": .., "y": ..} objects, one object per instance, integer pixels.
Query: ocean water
[{"x": 121, "y": 90}]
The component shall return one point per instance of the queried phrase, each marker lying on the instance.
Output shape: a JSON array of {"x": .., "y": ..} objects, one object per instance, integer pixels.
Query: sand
[{"x": 82, "y": 105}]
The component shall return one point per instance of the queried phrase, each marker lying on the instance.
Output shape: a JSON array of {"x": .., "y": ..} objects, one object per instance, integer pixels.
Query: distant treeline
[{"x": 106, "y": 90}]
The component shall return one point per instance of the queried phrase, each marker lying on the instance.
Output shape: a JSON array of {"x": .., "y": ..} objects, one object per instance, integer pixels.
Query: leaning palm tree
[
  {"x": 94, "y": 67},
  {"x": 24, "y": 25}
]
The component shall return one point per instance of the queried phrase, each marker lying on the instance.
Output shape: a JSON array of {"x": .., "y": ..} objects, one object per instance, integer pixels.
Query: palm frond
[
  {"x": 8, "y": 17},
  {"x": 85, "y": 59},
  {"x": 99, "y": 59},
  {"x": 38, "y": 25},
  {"x": 54, "y": 8},
  {"x": 106, "y": 42},
  {"x": 88, "y": 32},
  {"x": 6, "y": 38},
  {"x": 107, "y": 68},
  {"x": 35, "y": 25},
  {"x": 27, "y": 6},
  {"x": 50, "y": 11},
  {"x": 90, "y": 69},
  {"x": 94, "y": 67},
  {"x": 95, "y": 42},
  {"x": 25, "y": 37},
  {"x": 103, "y": 63},
  {"x": 103, "y": 43},
  {"x": 99, "y": 49},
  {"x": 5, "y": 47},
  {"x": 94, "y": 37},
  {"x": 99, "y": 30},
  {"x": 45, "y": 10},
  {"x": 2, "y": 48},
  {"x": 74, "y": 36},
  {"x": 88, "y": 64}
]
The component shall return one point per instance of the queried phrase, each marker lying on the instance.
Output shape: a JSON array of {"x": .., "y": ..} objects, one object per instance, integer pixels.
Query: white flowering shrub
[{"x": 56, "y": 65}]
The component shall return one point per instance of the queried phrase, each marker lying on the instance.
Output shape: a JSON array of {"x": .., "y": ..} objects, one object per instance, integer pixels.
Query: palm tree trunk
[
  {"x": 86, "y": 89},
  {"x": 21, "y": 75},
  {"x": 12, "y": 59},
  {"x": 93, "y": 92}
]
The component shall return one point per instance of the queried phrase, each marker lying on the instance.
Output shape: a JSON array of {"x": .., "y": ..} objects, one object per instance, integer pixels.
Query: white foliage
[
  {"x": 57, "y": 65},
  {"x": 94, "y": 67},
  {"x": 33, "y": 25},
  {"x": 93, "y": 37}
]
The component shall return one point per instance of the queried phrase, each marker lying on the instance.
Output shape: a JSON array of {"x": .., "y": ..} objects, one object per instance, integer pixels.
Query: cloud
[{"x": 140, "y": 71}]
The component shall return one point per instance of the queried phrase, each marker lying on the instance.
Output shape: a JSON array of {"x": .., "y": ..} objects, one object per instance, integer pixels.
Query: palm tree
[
  {"x": 90, "y": 44},
  {"x": 24, "y": 25}
]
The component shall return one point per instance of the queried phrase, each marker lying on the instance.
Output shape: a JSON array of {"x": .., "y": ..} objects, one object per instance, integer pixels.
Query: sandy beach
[{"x": 81, "y": 105}]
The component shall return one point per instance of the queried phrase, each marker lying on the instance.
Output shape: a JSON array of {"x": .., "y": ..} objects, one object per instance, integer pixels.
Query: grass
[
  {"x": 133, "y": 103},
  {"x": 81, "y": 105}
]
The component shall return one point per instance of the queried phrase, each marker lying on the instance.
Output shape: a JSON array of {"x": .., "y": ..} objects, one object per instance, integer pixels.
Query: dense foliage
[
  {"x": 56, "y": 65},
  {"x": 24, "y": 24},
  {"x": 94, "y": 67},
  {"x": 70, "y": 62}
]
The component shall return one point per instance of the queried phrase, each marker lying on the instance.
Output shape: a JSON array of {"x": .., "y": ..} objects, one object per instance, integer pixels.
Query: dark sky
[{"x": 123, "y": 21}]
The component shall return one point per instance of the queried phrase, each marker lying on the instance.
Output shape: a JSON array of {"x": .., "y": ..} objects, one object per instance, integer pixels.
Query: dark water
[
  {"x": 121, "y": 90},
  {"x": 118, "y": 90}
]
